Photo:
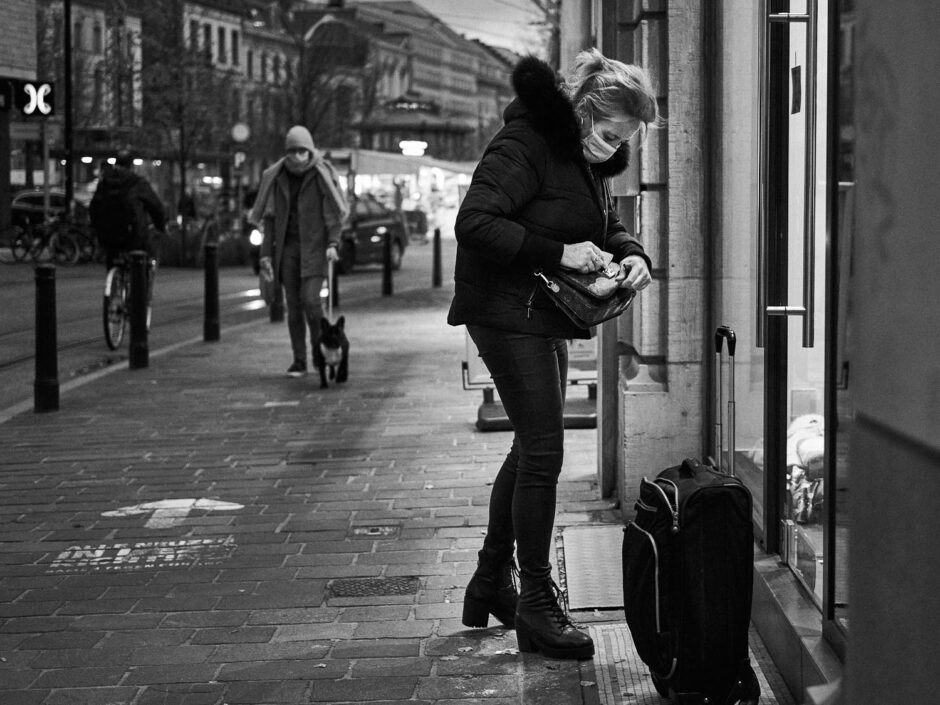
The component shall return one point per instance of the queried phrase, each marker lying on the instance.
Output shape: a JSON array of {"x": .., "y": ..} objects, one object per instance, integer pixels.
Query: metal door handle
[{"x": 807, "y": 310}]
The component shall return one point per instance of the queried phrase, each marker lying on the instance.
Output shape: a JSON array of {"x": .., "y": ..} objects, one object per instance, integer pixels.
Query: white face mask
[
  {"x": 595, "y": 148},
  {"x": 298, "y": 159}
]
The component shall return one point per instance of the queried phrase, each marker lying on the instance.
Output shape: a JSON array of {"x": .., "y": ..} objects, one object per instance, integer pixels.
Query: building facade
[
  {"x": 786, "y": 195},
  {"x": 172, "y": 80}
]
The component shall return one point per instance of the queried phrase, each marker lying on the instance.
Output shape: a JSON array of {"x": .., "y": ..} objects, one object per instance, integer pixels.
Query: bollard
[
  {"x": 387, "y": 264},
  {"x": 46, "y": 383},
  {"x": 210, "y": 324},
  {"x": 138, "y": 348},
  {"x": 436, "y": 267}
]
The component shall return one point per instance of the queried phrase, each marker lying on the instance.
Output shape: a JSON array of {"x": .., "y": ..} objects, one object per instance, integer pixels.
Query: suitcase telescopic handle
[{"x": 722, "y": 333}]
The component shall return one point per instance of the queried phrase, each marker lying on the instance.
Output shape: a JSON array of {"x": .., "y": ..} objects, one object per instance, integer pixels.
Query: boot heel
[
  {"x": 475, "y": 614},
  {"x": 526, "y": 644}
]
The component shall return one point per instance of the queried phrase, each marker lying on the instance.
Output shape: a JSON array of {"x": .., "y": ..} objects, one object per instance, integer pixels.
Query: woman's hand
[
  {"x": 635, "y": 273},
  {"x": 332, "y": 253},
  {"x": 582, "y": 257}
]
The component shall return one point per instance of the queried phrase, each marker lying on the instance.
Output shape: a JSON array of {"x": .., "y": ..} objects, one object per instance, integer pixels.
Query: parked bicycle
[
  {"x": 51, "y": 237},
  {"x": 117, "y": 298}
]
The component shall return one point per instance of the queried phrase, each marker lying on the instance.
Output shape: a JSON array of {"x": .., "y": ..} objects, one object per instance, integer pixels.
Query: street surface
[
  {"x": 178, "y": 314},
  {"x": 207, "y": 531}
]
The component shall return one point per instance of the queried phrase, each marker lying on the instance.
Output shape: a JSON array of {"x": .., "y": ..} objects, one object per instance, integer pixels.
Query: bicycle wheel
[
  {"x": 63, "y": 248},
  {"x": 20, "y": 243},
  {"x": 115, "y": 307}
]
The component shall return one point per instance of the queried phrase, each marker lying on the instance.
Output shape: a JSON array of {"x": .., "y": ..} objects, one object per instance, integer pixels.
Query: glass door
[{"x": 793, "y": 295}]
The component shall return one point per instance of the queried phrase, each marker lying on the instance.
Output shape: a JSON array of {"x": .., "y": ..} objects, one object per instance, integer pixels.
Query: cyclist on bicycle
[{"x": 120, "y": 209}]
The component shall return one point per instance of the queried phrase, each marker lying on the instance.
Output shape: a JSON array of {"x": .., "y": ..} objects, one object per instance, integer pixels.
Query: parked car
[
  {"x": 362, "y": 240},
  {"x": 27, "y": 207}
]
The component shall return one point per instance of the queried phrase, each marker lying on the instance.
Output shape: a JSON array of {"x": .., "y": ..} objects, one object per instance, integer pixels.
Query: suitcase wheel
[{"x": 661, "y": 686}]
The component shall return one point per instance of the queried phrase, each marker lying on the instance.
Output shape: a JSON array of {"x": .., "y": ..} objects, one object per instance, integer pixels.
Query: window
[
  {"x": 276, "y": 70},
  {"x": 97, "y": 39},
  {"x": 193, "y": 35},
  {"x": 221, "y": 56},
  {"x": 250, "y": 64},
  {"x": 263, "y": 73},
  {"x": 207, "y": 40},
  {"x": 236, "y": 59},
  {"x": 77, "y": 42}
]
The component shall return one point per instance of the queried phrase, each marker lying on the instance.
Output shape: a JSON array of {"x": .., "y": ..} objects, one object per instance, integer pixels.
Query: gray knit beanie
[{"x": 298, "y": 136}]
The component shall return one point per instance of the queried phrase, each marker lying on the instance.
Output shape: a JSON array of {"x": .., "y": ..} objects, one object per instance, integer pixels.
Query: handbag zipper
[
  {"x": 548, "y": 282},
  {"x": 551, "y": 285}
]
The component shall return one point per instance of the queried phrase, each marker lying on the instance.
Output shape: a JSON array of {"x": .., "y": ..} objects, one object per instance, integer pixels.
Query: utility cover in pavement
[
  {"x": 593, "y": 570},
  {"x": 367, "y": 587}
]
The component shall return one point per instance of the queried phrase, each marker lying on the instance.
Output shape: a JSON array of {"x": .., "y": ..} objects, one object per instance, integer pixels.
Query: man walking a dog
[{"x": 301, "y": 208}]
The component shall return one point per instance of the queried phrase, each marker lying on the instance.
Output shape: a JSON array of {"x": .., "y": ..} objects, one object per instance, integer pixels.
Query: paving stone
[
  {"x": 364, "y": 689},
  {"x": 394, "y": 630},
  {"x": 285, "y": 669},
  {"x": 74, "y": 695},
  {"x": 79, "y": 677},
  {"x": 237, "y": 635},
  {"x": 465, "y": 686},
  {"x": 314, "y": 632},
  {"x": 264, "y": 692},
  {"x": 229, "y": 653},
  {"x": 375, "y": 614},
  {"x": 376, "y": 648},
  {"x": 371, "y": 667}
]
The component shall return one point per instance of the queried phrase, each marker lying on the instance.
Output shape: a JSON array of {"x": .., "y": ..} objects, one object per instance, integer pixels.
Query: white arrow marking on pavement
[{"x": 171, "y": 512}]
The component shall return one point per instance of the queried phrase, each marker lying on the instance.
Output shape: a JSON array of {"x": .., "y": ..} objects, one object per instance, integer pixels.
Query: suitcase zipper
[
  {"x": 672, "y": 510},
  {"x": 659, "y": 627}
]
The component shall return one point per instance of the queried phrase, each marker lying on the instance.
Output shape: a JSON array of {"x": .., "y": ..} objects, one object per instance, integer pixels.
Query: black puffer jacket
[{"x": 532, "y": 193}]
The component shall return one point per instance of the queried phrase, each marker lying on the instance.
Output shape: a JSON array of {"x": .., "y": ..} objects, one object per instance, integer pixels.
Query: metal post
[
  {"x": 436, "y": 267},
  {"x": 387, "y": 264},
  {"x": 138, "y": 349},
  {"x": 68, "y": 136},
  {"x": 210, "y": 326},
  {"x": 46, "y": 383}
]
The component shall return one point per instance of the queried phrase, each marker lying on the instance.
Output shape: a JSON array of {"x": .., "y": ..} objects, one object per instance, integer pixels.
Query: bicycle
[
  {"x": 52, "y": 237},
  {"x": 8, "y": 236},
  {"x": 117, "y": 298}
]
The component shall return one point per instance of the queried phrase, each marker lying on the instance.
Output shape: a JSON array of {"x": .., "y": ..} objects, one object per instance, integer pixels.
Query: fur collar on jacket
[{"x": 542, "y": 99}]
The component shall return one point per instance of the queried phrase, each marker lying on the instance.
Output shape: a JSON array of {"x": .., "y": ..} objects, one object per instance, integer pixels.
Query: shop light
[
  {"x": 112, "y": 161},
  {"x": 138, "y": 162},
  {"x": 156, "y": 162},
  {"x": 413, "y": 148},
  {"x": 87, "y": 160}
]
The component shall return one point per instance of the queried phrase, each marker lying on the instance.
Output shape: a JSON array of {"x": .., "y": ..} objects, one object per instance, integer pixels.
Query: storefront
[
  {"x": 415, "y": 182},
  {"x": 745, "y": 205}
]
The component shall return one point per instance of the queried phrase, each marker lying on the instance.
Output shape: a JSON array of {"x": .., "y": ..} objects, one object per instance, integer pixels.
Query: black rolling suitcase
[{"x": 688, "y": 563}]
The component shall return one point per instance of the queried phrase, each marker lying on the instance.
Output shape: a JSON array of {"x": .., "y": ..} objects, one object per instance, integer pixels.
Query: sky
[{"x": 502, "y": 23}]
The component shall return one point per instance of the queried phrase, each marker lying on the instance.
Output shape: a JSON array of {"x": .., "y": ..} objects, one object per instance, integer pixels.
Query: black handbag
[{"x": 587, "y": 299}]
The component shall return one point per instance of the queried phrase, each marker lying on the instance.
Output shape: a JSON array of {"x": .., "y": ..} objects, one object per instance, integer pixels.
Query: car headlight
[{"x": 256, "y": 237}]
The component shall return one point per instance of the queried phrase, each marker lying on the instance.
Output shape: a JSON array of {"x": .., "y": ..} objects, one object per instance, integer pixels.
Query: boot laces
[{"x": 560, "y": 607}]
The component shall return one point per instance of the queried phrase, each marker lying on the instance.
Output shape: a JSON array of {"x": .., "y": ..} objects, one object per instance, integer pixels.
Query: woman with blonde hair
[{"x": 539, "y": 200}]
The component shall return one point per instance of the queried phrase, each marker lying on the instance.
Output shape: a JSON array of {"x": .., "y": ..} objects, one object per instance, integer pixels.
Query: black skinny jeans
[{"x": 530, "y": 374}]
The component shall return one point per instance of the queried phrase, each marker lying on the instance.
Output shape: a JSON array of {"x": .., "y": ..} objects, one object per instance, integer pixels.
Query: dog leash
[{"x": 329, "y": 290}]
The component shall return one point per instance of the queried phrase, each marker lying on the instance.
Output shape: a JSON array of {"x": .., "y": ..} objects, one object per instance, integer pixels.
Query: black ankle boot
[
  {"x": 542, "y": 625},
  {"x": 491, "y": 591}
]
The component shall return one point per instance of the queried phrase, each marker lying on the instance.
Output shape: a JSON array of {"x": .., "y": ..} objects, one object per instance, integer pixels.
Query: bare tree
[{"x": 184, "y": 92}]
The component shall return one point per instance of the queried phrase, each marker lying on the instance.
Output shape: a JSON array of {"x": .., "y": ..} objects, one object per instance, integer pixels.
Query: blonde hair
[{"x": 609, "y": 89}]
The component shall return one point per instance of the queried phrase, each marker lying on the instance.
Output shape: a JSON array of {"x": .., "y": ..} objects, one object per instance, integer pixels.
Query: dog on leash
[{"x": 331, "y": 355}]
